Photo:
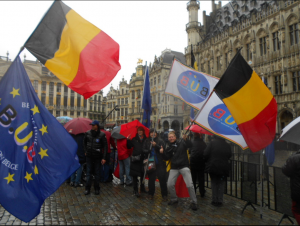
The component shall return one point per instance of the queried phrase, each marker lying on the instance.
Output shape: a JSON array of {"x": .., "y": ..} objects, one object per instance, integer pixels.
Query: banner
[
  {"x": 37, "y": 154},
  {"x": 216, "y": 118},
  {"x": 192, "y": 87}
]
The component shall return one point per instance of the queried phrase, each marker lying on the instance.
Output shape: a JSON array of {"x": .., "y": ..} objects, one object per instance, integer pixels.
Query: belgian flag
[
  {"x": 250, "y": 103},
  {"x": 81, "y": 55}
]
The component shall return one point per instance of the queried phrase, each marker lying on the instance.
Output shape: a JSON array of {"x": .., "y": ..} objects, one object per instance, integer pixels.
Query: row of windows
[
  {"x": 153, "y": 81},
  {"x": 65, "y": 113},
  {"x": 295, "y": 82}
]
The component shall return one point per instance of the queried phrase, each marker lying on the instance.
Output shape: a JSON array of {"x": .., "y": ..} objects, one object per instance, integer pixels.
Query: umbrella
[
  {"x": 291, "y": 132},
  {"x": 198, "y": 129},
  {"x": 63, "y": 119},
  {"x": 115, "y": 133},
  {"x": 78, "y": 125},
  {"x": 130, "y": 128}
]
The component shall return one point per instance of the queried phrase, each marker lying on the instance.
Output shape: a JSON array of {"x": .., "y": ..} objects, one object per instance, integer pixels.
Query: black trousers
[
  {"x": 161, "y": 174},
  {"x": 198, "y": 174},
  {"x": 92, "y": 164},
  {"x": 135, "y": 182}
]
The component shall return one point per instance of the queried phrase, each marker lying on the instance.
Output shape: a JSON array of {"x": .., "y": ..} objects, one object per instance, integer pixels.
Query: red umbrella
[
  {"x": 78, "y": 125},
  {"x": 130, "y": 128},
  {"x": 198, "y": 129}
]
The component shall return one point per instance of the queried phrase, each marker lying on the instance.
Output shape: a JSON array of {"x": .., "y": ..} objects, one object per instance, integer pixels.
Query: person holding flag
[{"x": 176, "y": 153}]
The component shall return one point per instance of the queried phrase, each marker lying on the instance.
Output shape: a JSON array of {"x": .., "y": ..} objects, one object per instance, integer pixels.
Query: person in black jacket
[
  {"x": 76, "y": 176},
  {"x": 160, "y": 170},
  {"x": 292, "y": 170},
  {"x": 137, "y": 160},
  {"x": 95, "y": 148},
  {"x": 197, "y": 162},
  {"x": 176, "y": 152},
  {"x": 216, "y": 156}
]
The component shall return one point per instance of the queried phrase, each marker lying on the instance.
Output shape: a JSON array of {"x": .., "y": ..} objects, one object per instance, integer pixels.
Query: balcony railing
[{"x": 193, "y": 24}]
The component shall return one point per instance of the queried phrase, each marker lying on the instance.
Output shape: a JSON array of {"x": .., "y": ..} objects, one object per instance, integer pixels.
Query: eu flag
[
  {"x": 146, "y": 104},
  {"x": 36, "y": 153}
]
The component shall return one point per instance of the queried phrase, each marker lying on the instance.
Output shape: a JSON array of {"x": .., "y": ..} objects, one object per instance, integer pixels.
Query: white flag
[
  {"x": 192, "y": 87},
  {"x": 216, "y": 118}
]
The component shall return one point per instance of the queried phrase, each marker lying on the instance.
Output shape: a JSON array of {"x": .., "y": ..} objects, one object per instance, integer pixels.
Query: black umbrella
[{"x": 115, "y": 133}]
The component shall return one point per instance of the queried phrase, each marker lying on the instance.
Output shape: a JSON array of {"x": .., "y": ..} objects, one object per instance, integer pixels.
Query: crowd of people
[
  {"x": 166, "y": 155},
  {"x": 171, "y": 156}
]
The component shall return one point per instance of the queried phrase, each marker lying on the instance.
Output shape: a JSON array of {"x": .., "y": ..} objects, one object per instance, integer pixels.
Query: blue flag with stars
[
  {"x": 146, "y": 104},
  {"x": 36, "y": 152}
]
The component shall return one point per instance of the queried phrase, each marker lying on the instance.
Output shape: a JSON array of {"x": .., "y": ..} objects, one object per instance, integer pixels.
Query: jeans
[
  {"x": 217, "y": 187},
  {"x": 92, "y": 166},
  {"x": 296, "y": 211},
  {"x": 76, "y": 176},
  {"x": 160, "y": 172},
  {"x": 186, "y": 174},
  {"x": 198, "y": 174},
  {"x": 125, "y": 163}
]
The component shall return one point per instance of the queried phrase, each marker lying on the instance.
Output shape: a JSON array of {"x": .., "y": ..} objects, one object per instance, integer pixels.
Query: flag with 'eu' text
[
  {"x": 36, "y": 153},
  {"x": 250, "y": 103},
  {"x": 192, "y": 87},
  {"x": 81, "y": 55},
  {"x": 217, "y": 119}
]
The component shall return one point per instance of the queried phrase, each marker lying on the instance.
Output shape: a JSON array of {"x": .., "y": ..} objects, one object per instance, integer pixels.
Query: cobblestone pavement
[{"x": 117, "y": 205}]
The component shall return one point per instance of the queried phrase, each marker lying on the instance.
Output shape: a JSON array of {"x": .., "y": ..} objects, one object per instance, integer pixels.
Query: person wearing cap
[
  {"x": 95, "y": 148},
  {"x": 160, "y": 170}
]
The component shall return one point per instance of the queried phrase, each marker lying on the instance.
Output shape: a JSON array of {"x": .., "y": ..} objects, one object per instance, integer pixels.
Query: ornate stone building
[
  {"x": 136, "y": 85},
  {"x": 56, "y": 97},
  {"x": 120, "y": 97},
  {"x": 268, "y": 31},
  {"x": 166, "y": 109}
]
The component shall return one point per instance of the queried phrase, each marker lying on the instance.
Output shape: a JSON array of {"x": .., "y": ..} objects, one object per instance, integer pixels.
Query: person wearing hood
[
  {"x": 160, "y": 170},
  {"x": 137, "y": 159},
  {"x": 176, "y": 154},
  {"x": 216, "y": 156},
  {"x": 292, "y": 170},
  {"x": 95, "y": 148},
  {"x": 197, "y": 162}
]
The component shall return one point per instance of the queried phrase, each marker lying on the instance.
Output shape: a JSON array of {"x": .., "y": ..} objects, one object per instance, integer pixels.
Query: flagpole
[
  {"x": 23, "y": 47},
  {"x": 199, "y": 112},
  {"x": 261, "y": 182}
]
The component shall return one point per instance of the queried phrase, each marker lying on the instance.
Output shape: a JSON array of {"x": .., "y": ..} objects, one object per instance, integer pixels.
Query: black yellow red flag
[
  {"x": 250, "y": 102},
  {"x": 81, "y": 55}
]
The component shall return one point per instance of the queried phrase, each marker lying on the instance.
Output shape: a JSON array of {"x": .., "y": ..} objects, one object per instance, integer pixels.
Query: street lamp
[{"x": 116, "y": 108}]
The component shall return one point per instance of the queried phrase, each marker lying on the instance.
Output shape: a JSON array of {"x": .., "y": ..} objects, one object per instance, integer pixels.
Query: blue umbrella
[{"x": 63, "y": 119}]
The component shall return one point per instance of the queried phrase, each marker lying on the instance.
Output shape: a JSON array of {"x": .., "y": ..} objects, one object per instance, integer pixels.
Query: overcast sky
[{"x": 143, "y": 29}]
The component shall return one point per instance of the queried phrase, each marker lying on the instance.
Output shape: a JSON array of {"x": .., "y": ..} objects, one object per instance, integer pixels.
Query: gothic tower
[{"x": 193, "y": 27}]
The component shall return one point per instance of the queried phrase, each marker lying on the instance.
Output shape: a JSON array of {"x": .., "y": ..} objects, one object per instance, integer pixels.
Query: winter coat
[
  {"x": 196, "y": 157},
  {"x": 137, "y": 167},
  {"x": 292, "y": 170},
  {"x": 159, "y": 156},
  {"x": 123, "y": 151},
  {"x": 216, "y": 156},
  {"x": 80, "y": 150},
  {"x": 177, "y": 153},
  {"x": 95, "y": 144}
]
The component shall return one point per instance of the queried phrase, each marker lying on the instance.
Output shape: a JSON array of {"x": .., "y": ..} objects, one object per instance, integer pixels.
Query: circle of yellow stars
[{"x": 42, "y": 153}]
